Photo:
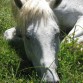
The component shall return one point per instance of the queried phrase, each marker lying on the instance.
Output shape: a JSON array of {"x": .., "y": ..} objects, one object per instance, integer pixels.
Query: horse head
[{"x": 40, "y": 33}]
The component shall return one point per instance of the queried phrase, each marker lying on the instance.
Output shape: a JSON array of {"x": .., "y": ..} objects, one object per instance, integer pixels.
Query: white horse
[
  {"x": 70, "y": 16},
  {"x": 36, "y": 23},
  {"x": 38, "y": 26}
]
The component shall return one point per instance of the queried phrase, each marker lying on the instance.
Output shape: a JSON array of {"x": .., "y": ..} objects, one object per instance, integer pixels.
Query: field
[{"x": 13, "y": 63}]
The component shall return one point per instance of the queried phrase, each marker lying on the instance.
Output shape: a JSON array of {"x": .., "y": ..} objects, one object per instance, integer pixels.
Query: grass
[
  {"x": 71, "y": 63},
  {"x": 12, "y": 69}
]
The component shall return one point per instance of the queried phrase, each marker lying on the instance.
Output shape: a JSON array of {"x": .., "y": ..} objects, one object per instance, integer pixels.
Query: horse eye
[{"x": 28, "y": 37}]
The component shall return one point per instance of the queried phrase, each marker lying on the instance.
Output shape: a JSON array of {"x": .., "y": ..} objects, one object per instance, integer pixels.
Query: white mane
[{"x": 36, "y": 10}]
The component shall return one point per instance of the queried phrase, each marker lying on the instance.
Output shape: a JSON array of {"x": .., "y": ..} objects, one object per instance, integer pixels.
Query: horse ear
[
  {"x": 57, "y": 3},
  {"x": 18, "y": 3}
]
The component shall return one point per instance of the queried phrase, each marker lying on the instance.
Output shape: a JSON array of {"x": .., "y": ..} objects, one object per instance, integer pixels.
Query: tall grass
[{"x": 12, "y": 66}]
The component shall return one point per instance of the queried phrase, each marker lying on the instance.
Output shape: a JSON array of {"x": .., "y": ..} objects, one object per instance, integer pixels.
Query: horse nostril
[{"x": 57, "y": 82}]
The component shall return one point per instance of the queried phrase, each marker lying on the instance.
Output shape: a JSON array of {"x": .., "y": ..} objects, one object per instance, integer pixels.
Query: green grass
[
  {"x": 11, "y": 69},
  {"x": 71, "y": 63}
]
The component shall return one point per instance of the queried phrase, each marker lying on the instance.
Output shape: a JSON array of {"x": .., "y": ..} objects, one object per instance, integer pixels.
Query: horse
[
  {"x": 42, "y": 42},
  {"x": 37, "y": 24},
  {"x": 70, "y": 16}
]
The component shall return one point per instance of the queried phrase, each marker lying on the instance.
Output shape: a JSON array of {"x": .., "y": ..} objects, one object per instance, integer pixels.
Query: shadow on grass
[{"x": 25, "y": 67}]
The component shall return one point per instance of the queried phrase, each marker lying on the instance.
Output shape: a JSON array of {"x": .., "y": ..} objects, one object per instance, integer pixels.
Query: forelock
[{"x": 34, "y": 9}]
